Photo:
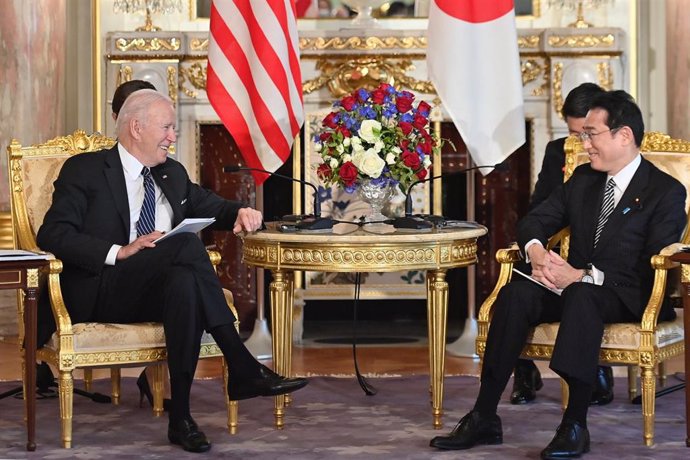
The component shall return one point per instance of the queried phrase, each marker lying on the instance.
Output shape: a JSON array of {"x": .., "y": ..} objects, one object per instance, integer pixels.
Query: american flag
[{"x": 253, "y": 78}]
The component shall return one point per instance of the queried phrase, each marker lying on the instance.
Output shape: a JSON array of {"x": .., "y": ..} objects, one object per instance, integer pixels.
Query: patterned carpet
[{"x": 332, "y": 418}]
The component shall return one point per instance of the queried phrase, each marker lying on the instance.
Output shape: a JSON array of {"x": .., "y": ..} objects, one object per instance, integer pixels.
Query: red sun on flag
[{"x": 475, "y": 11}]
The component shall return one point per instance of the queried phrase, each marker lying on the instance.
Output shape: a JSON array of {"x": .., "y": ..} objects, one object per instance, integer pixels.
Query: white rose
[
  {"x": 318, "y": 147},
  {"x": 426, "y": 162},
  {"x": 345, "y": 158},
  {"x": 390, "y": 158},
  {"x": 356, "y": 141},
  {"x": 370, "y": 130},
  {"x": 346, "y": 142},
  {"x": 333, "y": 163},
  {"x": 357, "y": 148},
  {"x": 339, "y": 148},
  {"x": 396, "y": 149},
  {"x": 369, "y": 163},
  {"x": 378, "y": 146}
]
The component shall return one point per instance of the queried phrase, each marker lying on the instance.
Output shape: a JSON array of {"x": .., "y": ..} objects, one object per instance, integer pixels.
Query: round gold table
[{"x": 349, "y": 248}]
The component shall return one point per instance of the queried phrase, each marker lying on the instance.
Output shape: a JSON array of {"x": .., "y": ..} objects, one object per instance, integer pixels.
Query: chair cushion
[
  {"x": 93, "y": 337},
  {"x": 620, "y": 336}
]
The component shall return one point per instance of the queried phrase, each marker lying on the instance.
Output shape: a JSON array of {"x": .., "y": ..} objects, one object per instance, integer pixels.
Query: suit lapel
[
  {"x": 161, "y": 177},
  {"x": 628, "y": 204},
  {"x": 115, "y": 176}
]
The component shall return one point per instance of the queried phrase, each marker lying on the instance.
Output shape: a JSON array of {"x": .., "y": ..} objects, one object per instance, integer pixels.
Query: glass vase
[{"x": 377, "y": 194}]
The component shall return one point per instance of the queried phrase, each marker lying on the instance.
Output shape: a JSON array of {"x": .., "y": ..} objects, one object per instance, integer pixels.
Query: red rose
[
  {"x": 324, "y": 172},
  {"x": 325, "y": 137},
  {"x": 344, "y": 131},
  {"x": 348, "y": 103},
  {"x": 330, "y": 120},
  {"x": 424, "y": 108},
  {"x": 384, "y": 87},
  {"x": 378, "y": 96},
  {"x": 411, "y": 160},
  {"x": 425, "y": 146},
  {"x": 419, "y": 121},
  {"x": 406, "y": 127},
  {"x": 348, "y": 173},
  {"x": 421, "y": 174},
  {"x": 404, "y": 102},
  {"x": 404, "y": 144}
]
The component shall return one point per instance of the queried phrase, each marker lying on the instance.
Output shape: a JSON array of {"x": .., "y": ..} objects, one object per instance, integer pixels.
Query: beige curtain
[{"x": 678, "y": 67}]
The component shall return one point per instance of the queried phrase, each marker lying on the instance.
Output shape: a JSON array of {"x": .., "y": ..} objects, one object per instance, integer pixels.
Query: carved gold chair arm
[
  {"x": 57, "y": 304},
  {"x": 661, "y": 264},
  {"x": 506, "y": 257}
]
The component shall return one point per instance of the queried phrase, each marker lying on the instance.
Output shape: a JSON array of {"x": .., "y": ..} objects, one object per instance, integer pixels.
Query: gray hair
[{"x": 137, "y": 106}]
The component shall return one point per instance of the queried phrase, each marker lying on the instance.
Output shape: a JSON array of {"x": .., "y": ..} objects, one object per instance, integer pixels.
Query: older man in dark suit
[
  {"x": 108, "y": 209},
  {"x": 621, "y": 210}
]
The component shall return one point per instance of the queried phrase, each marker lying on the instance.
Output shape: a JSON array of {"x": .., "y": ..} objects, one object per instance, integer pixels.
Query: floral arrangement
[{"x": 377, "y": 135}]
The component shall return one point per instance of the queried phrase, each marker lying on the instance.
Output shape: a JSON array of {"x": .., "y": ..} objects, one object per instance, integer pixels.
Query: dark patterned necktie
[
  {"x": 147, "y": 217},
  {"x": 606, "y": 209}
]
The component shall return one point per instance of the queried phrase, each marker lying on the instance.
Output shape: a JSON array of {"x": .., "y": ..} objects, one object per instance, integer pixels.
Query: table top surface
[{"x": 376, "y": 234}]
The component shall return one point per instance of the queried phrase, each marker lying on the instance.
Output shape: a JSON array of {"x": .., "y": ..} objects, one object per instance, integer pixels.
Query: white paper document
[
  {"x": 19, "y": 254},
  {"x": 188, "y": 226},
  {"x": 555, "y": 291}
]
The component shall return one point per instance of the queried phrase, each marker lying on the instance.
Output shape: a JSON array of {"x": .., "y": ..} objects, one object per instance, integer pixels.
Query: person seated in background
[
  {"x": 108, "y": 209},
  {"x": 527, "y": 379},
  {"x": 606, "y": 278}
]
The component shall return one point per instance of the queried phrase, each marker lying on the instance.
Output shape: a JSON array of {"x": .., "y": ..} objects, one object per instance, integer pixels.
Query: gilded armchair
[
  {"x": 86, "y": 346},
  {"x": 641, "y": 345}
]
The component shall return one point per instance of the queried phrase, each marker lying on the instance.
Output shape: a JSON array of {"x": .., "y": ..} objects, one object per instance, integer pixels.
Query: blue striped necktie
[
  {"x": 147, "y": 217},
  {"x": 606, "y": 209}
]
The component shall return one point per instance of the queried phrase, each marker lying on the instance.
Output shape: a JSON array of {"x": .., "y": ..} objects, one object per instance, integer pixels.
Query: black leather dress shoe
[
  {"x": 267, "y": 383},
  {"x": 470, "y": 431},
  {"x": 186, "y": 433},
  {"x": 571, "y": 441},
  {"x": 603, "y": 389},
  {"x": 526, "y": 383}
]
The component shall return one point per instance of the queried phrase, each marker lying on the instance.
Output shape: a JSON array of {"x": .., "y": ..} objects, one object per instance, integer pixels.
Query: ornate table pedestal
[{"x": 349, "y": 249}]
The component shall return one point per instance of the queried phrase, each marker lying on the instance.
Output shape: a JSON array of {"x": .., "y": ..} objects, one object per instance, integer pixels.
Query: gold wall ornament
[
  {"x": 344, "y": 75},
  {"x": 148, "y": 44},
  {"x": 124, "y": 74},
  {"x": 172, "y": 84},
  {"x": 361, "y": 43},
  {"x": 195, "y": 75},
  {"x": 582, "y": 41},
  {"x": 528, "y": 42},
  {"x": 530, "y": 70},
  {"x": 198, "y": 44},
  {"x": 557, "y": 88},
  {"x": 605, "y": 75}
]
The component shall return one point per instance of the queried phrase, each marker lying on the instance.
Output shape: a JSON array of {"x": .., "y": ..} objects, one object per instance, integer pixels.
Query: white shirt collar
[
  {"x": 130, "y": 164},
  {"x": 625, "y": 175}
]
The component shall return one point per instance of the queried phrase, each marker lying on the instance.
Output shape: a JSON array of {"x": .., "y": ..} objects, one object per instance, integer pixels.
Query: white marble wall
[{"x": 32, "y": 94}]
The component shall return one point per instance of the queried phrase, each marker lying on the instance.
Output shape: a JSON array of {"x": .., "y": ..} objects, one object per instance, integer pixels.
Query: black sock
[
  {"x": 489, "y": 396},
  {"x": 241, "y": 363},
  {"x": 578, "y": 400},
  {"x": 180, "y": 387}
]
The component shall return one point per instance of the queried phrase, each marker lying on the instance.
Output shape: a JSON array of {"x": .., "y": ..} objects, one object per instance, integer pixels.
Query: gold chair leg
[
  {"x": 632, "y": 382},
  {"x": 648, "y": 395},
  {"x": 157, "y": 384},
  {"x": 565, "y": 394},
  {"x": 232, "y": 406},
  {"x": 65, "y": 391},
  {"x": 88, "y": 379},
  {"x": 115, "y": 385}
]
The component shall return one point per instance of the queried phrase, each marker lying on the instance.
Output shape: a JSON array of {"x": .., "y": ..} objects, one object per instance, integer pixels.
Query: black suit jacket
[
  {"x": 90, "y": 213},
  {"x": 551, "y": 174},
  {"x": 649, "y": 216}
]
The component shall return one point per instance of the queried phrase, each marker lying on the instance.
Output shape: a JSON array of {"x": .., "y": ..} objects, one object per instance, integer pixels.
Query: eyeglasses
[{"x": 585, "y": 136}]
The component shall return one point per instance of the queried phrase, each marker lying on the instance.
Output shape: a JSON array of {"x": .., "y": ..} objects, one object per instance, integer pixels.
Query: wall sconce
[
  {"x": 147, "y": 7},
  {"x": 578, "y": 5}
]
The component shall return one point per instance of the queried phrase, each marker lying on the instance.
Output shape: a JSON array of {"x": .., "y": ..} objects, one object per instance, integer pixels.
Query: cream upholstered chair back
[{"x": 32, "y": 171}]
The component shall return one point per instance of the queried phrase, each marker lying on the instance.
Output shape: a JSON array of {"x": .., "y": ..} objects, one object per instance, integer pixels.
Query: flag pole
[
  {"x": 259, "y": 343},
  {"x": 465, "y": 345}
]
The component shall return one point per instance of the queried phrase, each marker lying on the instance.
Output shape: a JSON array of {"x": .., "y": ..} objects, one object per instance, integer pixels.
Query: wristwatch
[{"x": 587, "y": 276}]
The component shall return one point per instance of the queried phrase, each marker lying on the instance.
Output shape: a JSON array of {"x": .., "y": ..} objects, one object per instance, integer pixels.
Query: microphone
[
  {"x": 419, "y": 223},
  {"x": 306, "y": 222}
]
